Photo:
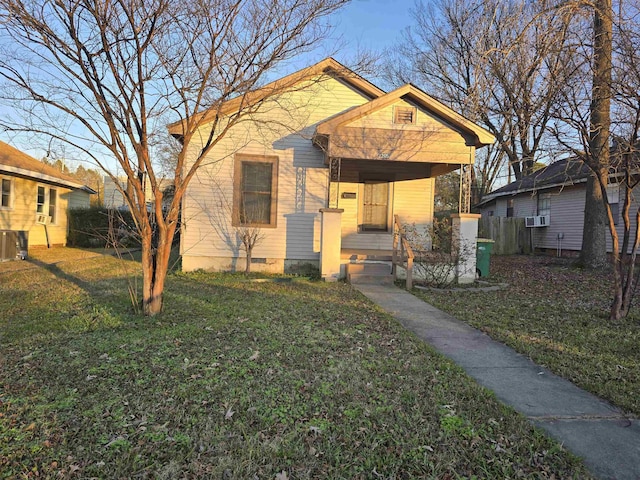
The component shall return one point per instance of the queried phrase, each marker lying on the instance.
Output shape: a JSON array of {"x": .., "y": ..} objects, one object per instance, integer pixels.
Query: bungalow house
[
  {"x": 34, "y": 201},
  {"x": 320, "y": 171},
  {"x": 552, "y": 202}
]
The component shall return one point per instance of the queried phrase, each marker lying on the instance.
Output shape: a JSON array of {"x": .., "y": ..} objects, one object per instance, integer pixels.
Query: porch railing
[{"x": 402, "y": 253}]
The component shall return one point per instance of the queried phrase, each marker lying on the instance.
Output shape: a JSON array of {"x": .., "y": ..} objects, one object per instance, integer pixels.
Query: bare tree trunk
[
  {"x": 156, "y": 252},
  {"x": 594, "y": 238},
  {"x": 594, "y": 247},
  {"x": 247, "y": 267}
]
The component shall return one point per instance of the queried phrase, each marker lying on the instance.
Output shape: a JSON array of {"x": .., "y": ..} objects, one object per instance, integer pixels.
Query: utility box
[
  {"x": 13, "y": 244},
  {"x": 483, "y": 256},
  {"x": 22, "y": 244}
]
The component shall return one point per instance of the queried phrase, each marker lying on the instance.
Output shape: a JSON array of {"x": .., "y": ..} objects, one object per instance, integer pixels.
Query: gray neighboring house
[{"x": 552, "y": 201}]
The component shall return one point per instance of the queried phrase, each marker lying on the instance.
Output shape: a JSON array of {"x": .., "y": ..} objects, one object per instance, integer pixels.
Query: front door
[{"x": 375, "y": 207}]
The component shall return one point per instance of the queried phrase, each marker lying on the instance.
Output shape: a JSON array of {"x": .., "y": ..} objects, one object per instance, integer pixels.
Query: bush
[
  {"x": 101, "y": 227},
  {"x": 436, "y": 254}
]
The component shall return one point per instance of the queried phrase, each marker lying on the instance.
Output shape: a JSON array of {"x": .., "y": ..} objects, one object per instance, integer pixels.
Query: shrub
[
  {"x": 436, "y": 254},
  {"x": 101, "y": 227}
]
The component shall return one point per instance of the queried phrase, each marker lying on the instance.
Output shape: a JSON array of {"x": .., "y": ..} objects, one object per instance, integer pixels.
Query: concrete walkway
[{"x": 607, "y": 441}]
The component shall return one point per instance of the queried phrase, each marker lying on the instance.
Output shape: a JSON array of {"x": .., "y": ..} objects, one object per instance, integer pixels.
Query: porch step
[
  {"x": 366, "y": 255},
  {"x": 370, "y": 279},
  {"x": 369, "y": 272}
]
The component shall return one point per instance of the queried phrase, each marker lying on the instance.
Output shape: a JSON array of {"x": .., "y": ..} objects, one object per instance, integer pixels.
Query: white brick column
[
  {"x": 330, "y": 243},
  {"x": 464, "y": 238}
]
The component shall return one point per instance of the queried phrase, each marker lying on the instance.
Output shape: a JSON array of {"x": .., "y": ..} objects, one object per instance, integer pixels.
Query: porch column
[
  {"x": 464, "y": 237},
  {"x": 330, "y": 243}
]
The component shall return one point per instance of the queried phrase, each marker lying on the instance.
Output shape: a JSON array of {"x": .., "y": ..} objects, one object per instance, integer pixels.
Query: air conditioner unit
[
  {"x": 43, "y": 219},
  {"x": 537, "y": 221}
]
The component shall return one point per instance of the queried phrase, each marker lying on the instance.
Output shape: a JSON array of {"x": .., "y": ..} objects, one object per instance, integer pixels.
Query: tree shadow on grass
[{"x": 55, "y": 270}]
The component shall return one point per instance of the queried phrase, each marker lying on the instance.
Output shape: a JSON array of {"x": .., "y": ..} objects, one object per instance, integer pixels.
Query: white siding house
[
  {"x": 333, "y": 144},
  {"x": 556, "y": 191}
]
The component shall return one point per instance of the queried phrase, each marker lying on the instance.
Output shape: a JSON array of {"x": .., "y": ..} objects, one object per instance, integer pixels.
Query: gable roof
[
  {"x": 568, "y": 171},
  {"x": 13, "y": 161},
  {"x": 327, "y": 66},
  {"x": 481, "y": 136}
]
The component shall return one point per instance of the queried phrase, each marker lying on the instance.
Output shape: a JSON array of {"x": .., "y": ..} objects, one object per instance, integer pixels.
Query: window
[
  {"x": 5, "y": 193},
  {"x": 404, "y": 115},
  {"x": 53, "y": 200},
  {"x": 255, "y": 191},
  {"x": 375, "y": 207},
  {"x": 544, "y": 204},
  {"x": 613, "y": 197},
  {"x": 510, "y": 207},
  {"x": 46, "y": 202},
  {"x": 41, "y": 200}
]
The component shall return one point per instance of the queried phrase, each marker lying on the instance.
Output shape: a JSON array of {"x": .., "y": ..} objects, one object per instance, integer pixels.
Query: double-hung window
[
  {"x": 255, "y": 191},
  {"x": 544, "y": 204},
  {"x": 613, "y": 197},
  {"x": 5, "y": 193},
  {"x": 46, "y": 203}
]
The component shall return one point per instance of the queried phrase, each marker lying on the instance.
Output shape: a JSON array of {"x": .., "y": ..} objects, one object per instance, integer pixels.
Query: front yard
[
  {"x": 557, "y": 314},
  {"x": 236, "y": 379}
]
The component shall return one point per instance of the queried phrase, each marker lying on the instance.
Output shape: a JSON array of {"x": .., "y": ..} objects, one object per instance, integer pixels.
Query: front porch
[{"x": 383, "y": 158}]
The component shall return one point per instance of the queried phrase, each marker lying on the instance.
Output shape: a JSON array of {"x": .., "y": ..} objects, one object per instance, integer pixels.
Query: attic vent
[{"x": 404, "y": 115}]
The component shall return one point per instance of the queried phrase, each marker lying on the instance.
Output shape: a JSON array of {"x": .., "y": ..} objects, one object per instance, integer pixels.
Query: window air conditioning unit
[
  {"x": 537, "y": 221},
  {"x": 43, "y": 219}
]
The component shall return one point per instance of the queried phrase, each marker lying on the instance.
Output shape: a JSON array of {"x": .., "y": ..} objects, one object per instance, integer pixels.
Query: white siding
[
  {"x": 566, "y": 217},
  {"x": 79, "y": 199},
  {"x": 500, "y": 208},
  {"x": 302, "y": 178},
  {"x": 412, "y": 201},
  {"x": 524, "y": 205}
]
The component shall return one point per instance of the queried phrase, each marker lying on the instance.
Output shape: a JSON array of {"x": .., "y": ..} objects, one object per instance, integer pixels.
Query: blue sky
[
  {"x": 374, "y": 24},
  {"x": 370, "y": 25}
]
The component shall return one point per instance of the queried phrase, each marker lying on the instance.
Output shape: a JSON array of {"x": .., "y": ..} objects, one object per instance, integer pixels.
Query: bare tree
[
  {"x": 105, "y": 77},
  {"x": 604, "y": 109},
  {"x": 502, "y": 64}
]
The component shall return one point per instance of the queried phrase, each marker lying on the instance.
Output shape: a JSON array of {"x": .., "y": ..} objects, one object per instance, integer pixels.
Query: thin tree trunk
[
  {"x": 155, "y": 265},
  {"x": 247, "y": 267}
]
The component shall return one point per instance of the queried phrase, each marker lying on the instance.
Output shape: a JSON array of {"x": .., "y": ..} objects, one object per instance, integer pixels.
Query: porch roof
[{"x": 443, "y": 137}]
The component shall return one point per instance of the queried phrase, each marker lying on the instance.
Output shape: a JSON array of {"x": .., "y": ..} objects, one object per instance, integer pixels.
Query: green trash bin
[{"x": 483, "y": 256}]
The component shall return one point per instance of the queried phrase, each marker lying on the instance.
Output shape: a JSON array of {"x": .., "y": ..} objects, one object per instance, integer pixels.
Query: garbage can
[{"x": 483, "y": 256}]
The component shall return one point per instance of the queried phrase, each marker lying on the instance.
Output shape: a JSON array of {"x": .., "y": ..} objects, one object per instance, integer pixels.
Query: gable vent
[{"x": 404, "y": 115}]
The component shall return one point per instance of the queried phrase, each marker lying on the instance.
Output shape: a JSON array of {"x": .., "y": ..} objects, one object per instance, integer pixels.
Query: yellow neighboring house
[
  {"x": 328, "y": 163},
  {"x": 34, "y": 201}
]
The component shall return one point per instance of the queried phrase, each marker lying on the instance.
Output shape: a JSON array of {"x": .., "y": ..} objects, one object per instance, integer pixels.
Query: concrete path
[{"x": 607, "y": 441}]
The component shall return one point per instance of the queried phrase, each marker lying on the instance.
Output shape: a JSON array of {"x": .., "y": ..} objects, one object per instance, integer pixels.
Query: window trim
[
  {"x": 614, "y": 189},
  {"x": 398, "y": 109},
  {"x": 543, "y": 196},
  {"x": 46, "y": 205},
  {"x": 11, "y": 192},
  {"x": 53, "y": 218},
  {"x": 510, "y": 207},
  {"x": 239, "y": 159}
]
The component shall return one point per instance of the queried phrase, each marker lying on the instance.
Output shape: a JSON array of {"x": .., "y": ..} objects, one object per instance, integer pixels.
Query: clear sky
[
  {"x": 374, "y": 24},
  {"x": 369, "y": 25},
  {"x": 363, "y": 25}
]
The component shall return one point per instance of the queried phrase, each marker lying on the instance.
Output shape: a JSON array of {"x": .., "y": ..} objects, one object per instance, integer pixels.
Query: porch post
[
  {"x": 464, "y": 239},
  {"x": 330, "y": 243}
]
